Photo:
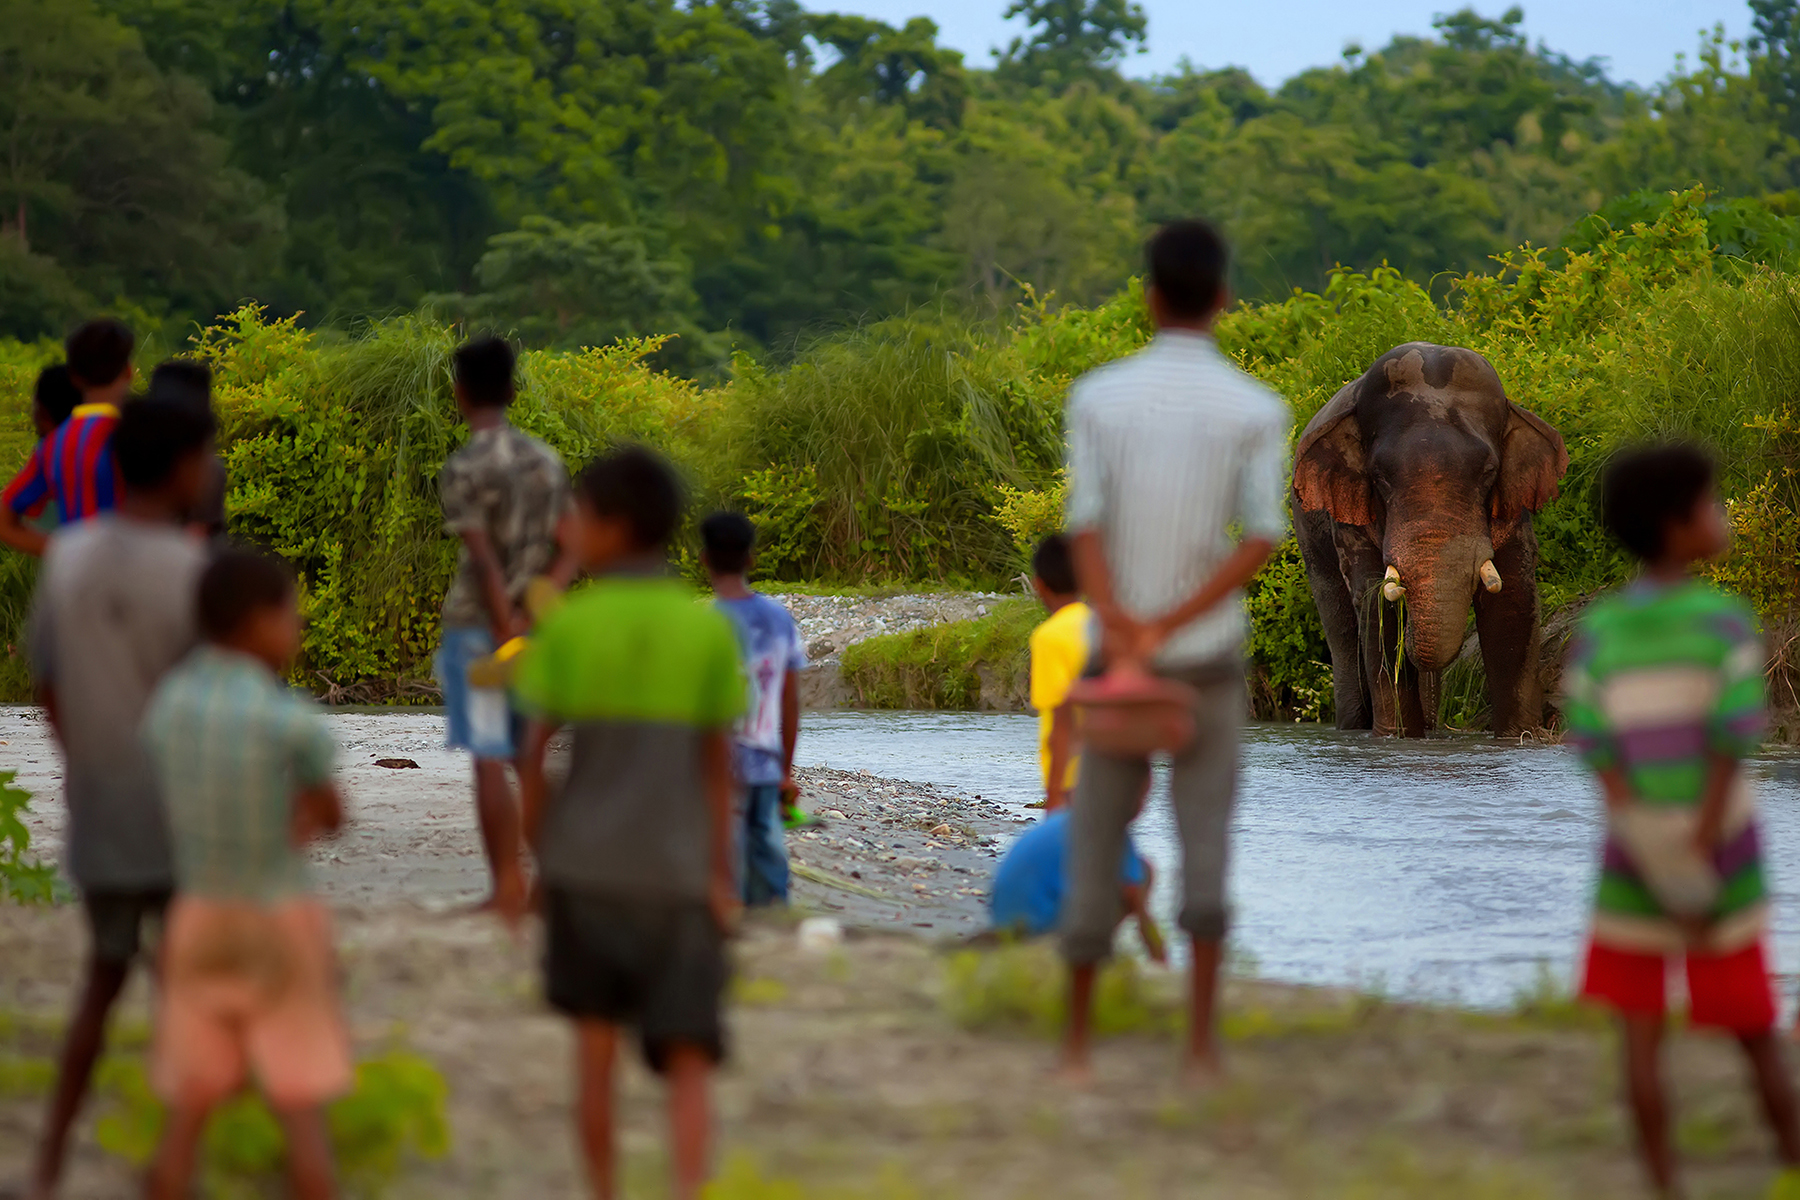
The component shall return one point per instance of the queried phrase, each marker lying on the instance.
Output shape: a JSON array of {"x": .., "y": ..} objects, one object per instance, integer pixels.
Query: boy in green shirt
[{"x": 634, "y": 849}]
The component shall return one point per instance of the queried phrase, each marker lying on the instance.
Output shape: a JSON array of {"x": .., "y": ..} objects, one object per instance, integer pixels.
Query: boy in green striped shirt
[
  {"x": 634, "y": 849},
  {"x": 1664, "y": 699}
]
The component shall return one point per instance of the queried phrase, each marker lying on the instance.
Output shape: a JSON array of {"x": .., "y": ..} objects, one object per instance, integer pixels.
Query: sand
[{"x": 849, "y": 1078}]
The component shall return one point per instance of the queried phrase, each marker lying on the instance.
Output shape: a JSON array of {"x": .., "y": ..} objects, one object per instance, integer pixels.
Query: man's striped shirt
[
  {"x": 1659, "y": 678},
  {"x": 1169, "y": 451}
]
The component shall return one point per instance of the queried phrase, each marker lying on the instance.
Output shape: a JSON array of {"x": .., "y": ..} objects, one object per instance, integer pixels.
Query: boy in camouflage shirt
[{"x": 502, "y": 494}]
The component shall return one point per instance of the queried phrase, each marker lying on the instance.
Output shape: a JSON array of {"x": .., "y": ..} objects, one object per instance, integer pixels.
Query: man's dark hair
[
  {"x": 152, "y": 436},
  {"x": 727, "y": 539},
  {"x": 1053, "y": 563},
  {"x": 484, "y": 371},
  {"x": 238, "y": 582},
  {"x": 1643, "y": 490},
  {"x": 182, "y": 381},
  {"x": 56, "y": 393},
  {"x": 636, "y": 484},
  {"x": 99, "y": 351},
  {"x": 1187, "y": 262}
]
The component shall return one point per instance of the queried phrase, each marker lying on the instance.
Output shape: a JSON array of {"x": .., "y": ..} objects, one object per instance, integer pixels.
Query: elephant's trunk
[{"x": 1439, "y": 575}]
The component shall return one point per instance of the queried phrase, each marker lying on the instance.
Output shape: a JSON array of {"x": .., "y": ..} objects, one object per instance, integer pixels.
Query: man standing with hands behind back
[{"x": 1169, "y": 449}]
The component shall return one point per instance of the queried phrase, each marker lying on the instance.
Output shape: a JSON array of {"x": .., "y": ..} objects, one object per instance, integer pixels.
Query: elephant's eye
[{"x": 1382, "y": 486}]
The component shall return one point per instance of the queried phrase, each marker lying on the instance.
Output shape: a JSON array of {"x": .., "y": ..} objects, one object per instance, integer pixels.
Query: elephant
[{"x": 1417, "y": 483}]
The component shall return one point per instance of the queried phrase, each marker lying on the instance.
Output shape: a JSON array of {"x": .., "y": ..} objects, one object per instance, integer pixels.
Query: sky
[{"x": 1275, "y": 39}]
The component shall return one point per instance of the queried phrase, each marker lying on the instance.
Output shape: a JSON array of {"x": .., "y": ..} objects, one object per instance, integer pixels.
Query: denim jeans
[{"x": 762, "y": 860}]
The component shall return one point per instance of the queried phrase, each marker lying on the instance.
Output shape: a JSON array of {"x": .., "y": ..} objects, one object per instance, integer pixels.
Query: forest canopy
[{"x": 746, "y": 174}]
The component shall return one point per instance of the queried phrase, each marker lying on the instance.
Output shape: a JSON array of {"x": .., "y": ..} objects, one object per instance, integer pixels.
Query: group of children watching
[{"x": 195, "y": 778}]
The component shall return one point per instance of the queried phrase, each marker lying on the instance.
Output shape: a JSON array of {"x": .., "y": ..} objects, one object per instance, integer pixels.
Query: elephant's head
[{"x": 1429, "y": 460}]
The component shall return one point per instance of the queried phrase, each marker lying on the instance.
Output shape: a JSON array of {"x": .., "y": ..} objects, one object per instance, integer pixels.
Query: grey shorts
[
  {"x": 1203, "y": 788},
  {"x": 116, "y": 920},
  {"x": 658, "y": 967}
]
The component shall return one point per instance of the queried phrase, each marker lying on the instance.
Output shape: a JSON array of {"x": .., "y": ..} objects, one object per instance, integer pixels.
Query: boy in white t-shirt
[{"x": 763, "y": 743}]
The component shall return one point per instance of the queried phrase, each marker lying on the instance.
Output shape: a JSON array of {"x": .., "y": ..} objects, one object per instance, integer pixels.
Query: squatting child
[
  {"x": 502, "y": 494},
  {"x": 114, "y": 610},
  {"x": 762, "y": 746},
  {"x": 634, "y": 848},
  {"x": 248, "y": 974},
  {"x": 1664, "y": 700}
]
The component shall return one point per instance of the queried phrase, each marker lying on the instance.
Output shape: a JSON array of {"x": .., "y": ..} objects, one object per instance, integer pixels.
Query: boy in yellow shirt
[{"x": 1059, "y": 655}]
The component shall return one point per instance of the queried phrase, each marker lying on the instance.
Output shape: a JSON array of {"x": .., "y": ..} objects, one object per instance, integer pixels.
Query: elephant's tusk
[
  {"x": 1490, "y": 577},
  {"x": 1391, "y": 587}
]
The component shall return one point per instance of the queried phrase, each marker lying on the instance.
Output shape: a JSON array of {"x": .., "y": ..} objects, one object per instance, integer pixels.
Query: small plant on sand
[
  {"x": 1023, "y": 985},
  {"x": 23, "y": 879},
  {"x": 395, "y": 1110},
  {"x": 742, "y": 1179},
  {"x": 1547, "y": 1002}
]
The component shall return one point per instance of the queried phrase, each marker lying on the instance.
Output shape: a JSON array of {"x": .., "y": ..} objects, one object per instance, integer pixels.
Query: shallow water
[{"x": 1454, "y": 869}]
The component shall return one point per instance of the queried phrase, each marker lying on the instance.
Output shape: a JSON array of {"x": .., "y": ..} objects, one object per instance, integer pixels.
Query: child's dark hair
[
  {"x": 182, "y": 381},
  {"x": 152, "y": 436},
  {"x": 1055, "y": 565},
  {"x": 484, "y": 371},
  {"x": 728, "y": 538},
  {"x": 1642, "y": 490},
  {"x": 99, "y": 351},
  {"x": 239, "y": 582},
  {"x": 1187, "y": 261},
  {"x": 636, "y": 484},
  {"x": 56, "y": 394}
]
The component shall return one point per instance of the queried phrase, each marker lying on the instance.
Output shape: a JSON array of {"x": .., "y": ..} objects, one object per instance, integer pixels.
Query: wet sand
[{"x": 924, "y": 852}]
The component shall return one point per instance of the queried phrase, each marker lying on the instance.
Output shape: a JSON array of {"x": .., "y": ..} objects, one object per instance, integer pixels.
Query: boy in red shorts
[{"x": 1664, "y": 699}]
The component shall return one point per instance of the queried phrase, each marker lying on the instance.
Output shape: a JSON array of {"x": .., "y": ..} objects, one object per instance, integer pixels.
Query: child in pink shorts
[{"x": 248, "y": 987}]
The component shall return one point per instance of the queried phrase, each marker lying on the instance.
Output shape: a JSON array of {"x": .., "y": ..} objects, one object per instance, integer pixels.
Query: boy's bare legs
[
  {"x": 1201, "y": 1063},
  {"x": 81, "y": 1049},
  {"x": 596, "y": 1045},
  {"x": 1776, "y": 1092},
  {"x": 1642, "y": 1036},
  {"x": 498, "y": 815},
  {"x": 172, "y": 1171},
  {"x": 1077, "y": 1068},
  {"x": 690, "y": 1117},
  {"x": 310, "y": 1172}
]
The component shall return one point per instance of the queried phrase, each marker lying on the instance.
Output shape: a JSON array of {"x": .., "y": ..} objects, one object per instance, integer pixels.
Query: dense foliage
[
  {"x": 746, "y": 173},
  {"x": 926, "y": 449}
]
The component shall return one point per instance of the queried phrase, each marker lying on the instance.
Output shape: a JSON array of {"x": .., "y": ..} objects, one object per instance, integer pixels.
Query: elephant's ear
[
  {"x": 1330, "y": 473},
  {"x": 1532, "y": 461}
]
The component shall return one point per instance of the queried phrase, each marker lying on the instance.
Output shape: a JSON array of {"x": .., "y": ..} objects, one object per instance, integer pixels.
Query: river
[{"x": 1455, "y": 869}]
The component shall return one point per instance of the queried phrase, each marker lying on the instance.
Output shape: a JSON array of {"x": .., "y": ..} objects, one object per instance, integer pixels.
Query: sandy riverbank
[{"x": 848, "y": 1068}]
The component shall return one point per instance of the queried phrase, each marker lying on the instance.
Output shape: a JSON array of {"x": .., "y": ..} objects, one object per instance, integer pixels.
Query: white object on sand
[{"x": 820, "y": 935}]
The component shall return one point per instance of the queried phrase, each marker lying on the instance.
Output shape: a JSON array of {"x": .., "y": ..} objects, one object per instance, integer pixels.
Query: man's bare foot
[{"x": 1075, "y": 1074}]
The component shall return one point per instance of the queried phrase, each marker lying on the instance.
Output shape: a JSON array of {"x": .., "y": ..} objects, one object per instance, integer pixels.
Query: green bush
[
  {"x": 927, "y": 450},
  {"x": 394, "y": 1111},
  {"x": 982, "y": 663},
  {"x": 23, "y": 879}
]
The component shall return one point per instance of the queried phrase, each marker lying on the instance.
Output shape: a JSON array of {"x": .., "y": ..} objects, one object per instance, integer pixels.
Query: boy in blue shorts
[
  {"x": 634, "y": 848},
  {"x": 763, "y": 743},
  {"x": 502, "y": 494}
]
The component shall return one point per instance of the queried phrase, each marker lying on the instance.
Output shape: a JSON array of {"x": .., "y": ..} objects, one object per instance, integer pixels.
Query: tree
[
  {"x": 112, "y": 183},
  {"x": 1071, "y": 40},
  {"x": 570, "y": 286}
]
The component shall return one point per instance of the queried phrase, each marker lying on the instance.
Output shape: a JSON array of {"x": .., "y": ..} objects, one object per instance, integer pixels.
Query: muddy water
[{"x": 1452, "y": 869}]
